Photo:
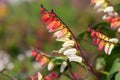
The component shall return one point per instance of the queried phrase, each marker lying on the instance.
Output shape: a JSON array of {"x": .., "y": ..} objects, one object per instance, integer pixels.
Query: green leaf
[
  {"x": 117, "y": 77},
  {"x": 111, "y": 76},
  {"x": 114, "y": 69}
]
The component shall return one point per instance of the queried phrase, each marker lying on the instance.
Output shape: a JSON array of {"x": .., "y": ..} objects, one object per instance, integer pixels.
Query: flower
[
  {"x": 75, "y": 58},
  {"x": 63, "y": 66},
  {"x": 51, "y": 65}
]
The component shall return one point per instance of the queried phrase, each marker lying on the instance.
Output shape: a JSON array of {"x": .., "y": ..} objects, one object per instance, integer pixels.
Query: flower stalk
[{"x": 81, "y": 53}]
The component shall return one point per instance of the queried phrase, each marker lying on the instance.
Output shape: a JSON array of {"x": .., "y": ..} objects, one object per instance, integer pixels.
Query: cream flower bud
[
  {"x": 109, "y": 9},
  {"x": 63, "y": 49},
  {"x": 114, "y": 40},
  {"x": 110, "y": 49},
  {"x": 39, "y": 76},
  {"x": 69, "y": 43},
  {"x": 51, "y": 65},
  {"x": 115, "y": 13},
  {"x": 63, "y": 39},
  {"x": 118, "y": 29},
  {"x": 75, "y": 58},
  {"x": 71, "y": 51},
  {"x": 98, "y": 4},
  {"x": 104, "y": 17},
  {"x": 63, "y": 66}
]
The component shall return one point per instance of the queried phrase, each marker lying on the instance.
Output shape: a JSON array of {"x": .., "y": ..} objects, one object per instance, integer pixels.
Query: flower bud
[
  {"x": 63, "y": 66},
  {"x": 109, "y": 9},
  {"x": 71, "y": 51},
  {"x": 75, "y": 58},
  {"x": 39, "y": 76},
  {"x": 69, "y": 43},
  {"x": 63, "y": 49},
  {"x": 110, "y": 49},
  {"x": 114, "y": 40},
  {"x": 51, "y": 65}
]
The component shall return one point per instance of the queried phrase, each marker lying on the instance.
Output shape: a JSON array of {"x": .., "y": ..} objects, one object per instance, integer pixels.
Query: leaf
[
  {"x": 104, "y": 24},
  {"x": 115, "y": 68},
  {"x": 117, "y": 77},
  {"x": 112, "y": 76},
  {"x": 110, "y": 48}
]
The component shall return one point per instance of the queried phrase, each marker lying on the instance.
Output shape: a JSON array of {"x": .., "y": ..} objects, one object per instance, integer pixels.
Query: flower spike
[{"x": 103, "y": 41}]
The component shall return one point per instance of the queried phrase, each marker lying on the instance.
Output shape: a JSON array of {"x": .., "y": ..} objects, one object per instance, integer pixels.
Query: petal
[
  {"x": 38, "y": 57},
  {"x": 119, "y": 30},
  {"x": 56, "y": 25},
  {"x": 39, "y": 76},
  {"x": 50, "y": 25},
  {"x": 60, "y": 33},
  {"x": 96, "y": 40},
  {"x": 71, "y": 51},
  {"x": 93, "y": 34},
  {"x": 98, "y": 4},
  {"x": 68, "y": 34},
  {"x": 104, "y": 17},
  {"x": 75, "y": 58},
  {"x": 114, "y": 40},
  {"x": 43, "y": 60},
  {"x": 113, "y": 25},
  {"x": 109, "y": 9},
  {"x": 51, "y": 65},
  {"x": 63, "y": 66},
  {"x": 118, "y": 24},
  {"x": 69, "y": 43},
  {"x": 63, "y": 39},
  {"x": 34, "y": 53},
  {"x": 63, "y": 49},
  {"x": 107, "y": 45},
  {"x": 110, "y": 49},
  {"x": 44, "y": 17},
  {"x": 101, "y": 45}
]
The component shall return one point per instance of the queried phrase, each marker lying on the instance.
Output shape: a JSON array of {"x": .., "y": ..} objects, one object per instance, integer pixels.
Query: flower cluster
[
  {"x": 62, "y": 33},
  {"x": 111, "y": 16},
  {"x": 103, "y": 41}
]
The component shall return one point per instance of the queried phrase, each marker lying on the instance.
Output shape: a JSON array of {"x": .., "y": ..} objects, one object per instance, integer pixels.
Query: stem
[
  {"x": 79, "y": 49},
  {"x": 104, "y": 72}
]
